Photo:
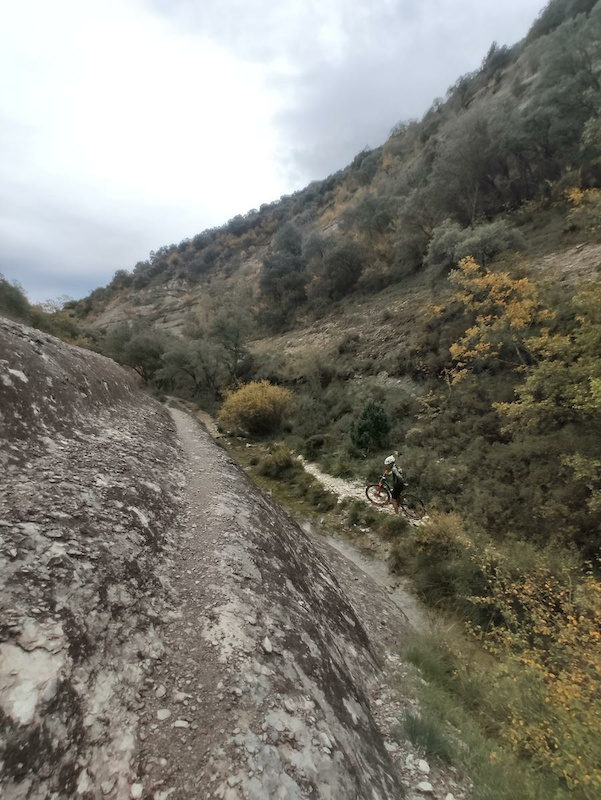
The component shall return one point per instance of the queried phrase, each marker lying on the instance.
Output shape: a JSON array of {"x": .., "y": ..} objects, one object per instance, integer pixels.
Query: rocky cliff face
[{"x": 165, "y": 629}]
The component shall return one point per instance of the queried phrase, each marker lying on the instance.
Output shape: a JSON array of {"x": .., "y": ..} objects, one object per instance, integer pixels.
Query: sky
[{"x": 126, "y": 125}]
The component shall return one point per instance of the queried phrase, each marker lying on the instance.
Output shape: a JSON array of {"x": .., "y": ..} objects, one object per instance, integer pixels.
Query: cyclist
[{"x": 398, "y": 482}]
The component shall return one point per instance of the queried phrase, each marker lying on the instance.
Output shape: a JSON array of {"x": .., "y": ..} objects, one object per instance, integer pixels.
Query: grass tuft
[{"x": 427, "y": 735}]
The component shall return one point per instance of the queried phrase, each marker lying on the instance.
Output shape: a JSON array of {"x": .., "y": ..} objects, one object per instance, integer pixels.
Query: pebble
[
  {"x": 136, "y": 791},
  {"x": 161, "y": 691},
  {"x": 181, "y": 723},
  {"x": 325, "y": 741},
  {"x": 425, "y": 787},
  {"x": 423, "y": 766},
  {"x": 55, "y": 533},
  {"x": 163, "y": 713},
  {"x": 267, "y": 646}
]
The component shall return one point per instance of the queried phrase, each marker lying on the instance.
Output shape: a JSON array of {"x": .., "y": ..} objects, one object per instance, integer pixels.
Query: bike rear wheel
[
  {"x": 412, "y": 507},
  {"x": 378, "y": 495}
]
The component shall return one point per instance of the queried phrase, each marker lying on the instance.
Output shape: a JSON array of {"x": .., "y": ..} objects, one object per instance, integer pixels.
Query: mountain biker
[{"x": 398, "y": 482}]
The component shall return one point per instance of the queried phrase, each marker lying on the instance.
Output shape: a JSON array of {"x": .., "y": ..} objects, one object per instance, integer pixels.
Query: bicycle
[{"x": 380, "y": 494}]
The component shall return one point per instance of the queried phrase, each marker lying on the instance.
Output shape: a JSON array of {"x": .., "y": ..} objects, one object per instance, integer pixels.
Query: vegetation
[
  {"x": 463, "y": 697},
  {"x": 276, "y": 468},
  {"x": 257, "y": 408},
  {"x": 57, "y": 318},
  {"x": 517, "y": 131},
  {"x": 372, "y": 429}
]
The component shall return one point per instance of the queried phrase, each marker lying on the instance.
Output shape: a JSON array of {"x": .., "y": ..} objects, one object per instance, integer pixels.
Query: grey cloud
[
  {"x": 263, "y": 30},
  {"x": 392, "y": 58},
  {"x": 66, "y": 255},
  {"x": 53, "y": 244}
]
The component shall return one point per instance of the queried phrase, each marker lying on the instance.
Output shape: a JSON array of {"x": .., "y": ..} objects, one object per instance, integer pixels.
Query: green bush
[
  {"x": 279, "y": 464},
  {"x": 363, "y": 515},
  {"x": 485, "y": 241},
  {"x": 372, "y": 428},
  {"x": 439, "y": 556},
  {"x": 450, "y": 243},
  {"x": 313, "y": 446},
  {"x": 444, "y": 241},
  {"x": 394, "y": 526},
  {"x": 342, "y": 467},
  {"x": 320, "y": 498},
  {"x": 13, "y": 300}
]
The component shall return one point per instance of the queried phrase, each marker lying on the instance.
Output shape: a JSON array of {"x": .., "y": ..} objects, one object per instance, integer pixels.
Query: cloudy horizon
[{"x": 126, "y": 125}]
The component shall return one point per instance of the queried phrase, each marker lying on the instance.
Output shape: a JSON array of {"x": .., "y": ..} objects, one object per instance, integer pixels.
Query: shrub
[
  {"x": 314, "y": 445},
  {"x": 371, "y": 430},
  {"x": 280, "y": 463},
  {"x": 342, "y": 467},
  {"x": 549, "y": 636},
  {"x": 354, "y": 512},
  {"x": 13, "y": 300},
  {"x": 441, "y": 249},
  {"x": 359, "y": 513},
  {"x": 585, "y": 211},
  {"x": 541, "y": 621},
  {"x": 450, "y": 243},
  {"x": 320, "y": 498},
  {"x": 440, "y": 557},
  {"x": 257, "y": 407},
  {"x": 394, "y": 527},
  {"x": 486, "y": 241}
]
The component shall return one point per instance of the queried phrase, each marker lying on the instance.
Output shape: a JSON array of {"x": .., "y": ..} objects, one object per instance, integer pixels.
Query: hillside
[{"x": 506, "y": 143}]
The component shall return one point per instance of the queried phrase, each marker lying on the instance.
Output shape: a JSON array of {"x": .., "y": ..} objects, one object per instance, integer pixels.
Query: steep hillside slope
[{"x": 474, "y": 176}]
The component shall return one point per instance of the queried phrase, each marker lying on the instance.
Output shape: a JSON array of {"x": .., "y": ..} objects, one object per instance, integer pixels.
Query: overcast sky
[{"x": 126, "y": 125}]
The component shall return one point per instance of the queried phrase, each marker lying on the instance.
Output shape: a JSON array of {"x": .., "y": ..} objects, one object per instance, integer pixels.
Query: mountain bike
[{"x": 380, "y": 494}]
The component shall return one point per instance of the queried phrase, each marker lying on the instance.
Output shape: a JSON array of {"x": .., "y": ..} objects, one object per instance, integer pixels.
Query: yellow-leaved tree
[
  {"x": 563, "y": 388},
  {"x": 506, "y": 311}
]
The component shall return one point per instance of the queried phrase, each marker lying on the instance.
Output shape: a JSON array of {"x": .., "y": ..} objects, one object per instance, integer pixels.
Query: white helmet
[{"x": 389, "y": 460}]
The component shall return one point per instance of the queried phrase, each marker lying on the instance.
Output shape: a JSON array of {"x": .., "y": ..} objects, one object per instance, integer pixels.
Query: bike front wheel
[
  {"x": 412, "y": 507},
  {"x": 377, "y": 494}
]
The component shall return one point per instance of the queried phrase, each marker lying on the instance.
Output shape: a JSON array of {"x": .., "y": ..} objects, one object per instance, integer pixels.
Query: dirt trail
[
  {"x": 234, "y": 691},
  {"x": 261, "y": 692},
  {"x": 353, "y": 489}
]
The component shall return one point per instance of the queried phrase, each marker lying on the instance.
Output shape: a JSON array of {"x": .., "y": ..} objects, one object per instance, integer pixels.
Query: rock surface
[{"x": 90, "y": 486}]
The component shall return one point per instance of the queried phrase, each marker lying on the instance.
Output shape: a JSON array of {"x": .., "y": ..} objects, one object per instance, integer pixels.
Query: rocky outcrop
[
  {"x": 89, "y": 494},
  {"x": 166, "y": 630}
]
